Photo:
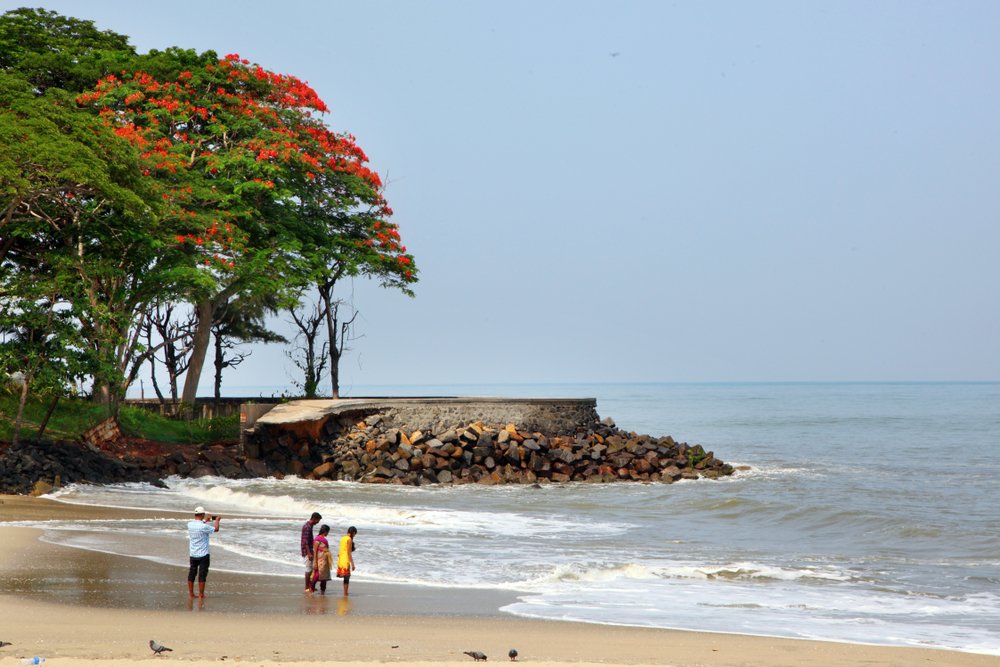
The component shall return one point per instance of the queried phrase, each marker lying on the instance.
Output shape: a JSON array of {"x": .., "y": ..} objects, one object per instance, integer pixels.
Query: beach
[{"x": 76, "y": 607}]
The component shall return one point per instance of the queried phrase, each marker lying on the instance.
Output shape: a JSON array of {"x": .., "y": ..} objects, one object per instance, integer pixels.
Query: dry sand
[{"x": 81, "y": 608}]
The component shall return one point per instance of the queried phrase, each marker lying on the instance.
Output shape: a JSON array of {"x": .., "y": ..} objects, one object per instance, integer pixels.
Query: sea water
[{"x": 868, "y": 514}]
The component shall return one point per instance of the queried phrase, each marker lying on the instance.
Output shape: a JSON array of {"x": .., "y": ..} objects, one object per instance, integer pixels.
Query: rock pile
[
  {"x": 38, "y": 467},
  {"x": 193, "y": 461},
  {"x": 373, "y": 450},
  {"x": 31, "y": 467}
]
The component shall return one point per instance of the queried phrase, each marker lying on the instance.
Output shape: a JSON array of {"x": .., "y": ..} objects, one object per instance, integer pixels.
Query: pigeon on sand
[
  {"x": 512, "y": 654},
  {"x": 475, "y": 655},
  {"x": 158, "y": 649}
]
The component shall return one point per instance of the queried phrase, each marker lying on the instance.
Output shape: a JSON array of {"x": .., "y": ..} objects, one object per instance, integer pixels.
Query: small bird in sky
[
  {"x": 475, "y": 655},
  {"x": 512, "y": 654},
  {"x": 615, "y": 54},
  {"x": 158, "y": 649}
]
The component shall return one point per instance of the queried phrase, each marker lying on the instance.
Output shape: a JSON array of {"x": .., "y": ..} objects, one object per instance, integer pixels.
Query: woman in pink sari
[{"x": 322, "y": 559}]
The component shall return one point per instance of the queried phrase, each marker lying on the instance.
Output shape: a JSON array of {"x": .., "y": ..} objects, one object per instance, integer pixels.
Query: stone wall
[{"x": 203, "y": 408}]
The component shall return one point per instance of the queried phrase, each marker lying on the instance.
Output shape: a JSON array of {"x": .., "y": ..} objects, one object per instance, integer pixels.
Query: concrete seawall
[{"x": 306, "y": 418}]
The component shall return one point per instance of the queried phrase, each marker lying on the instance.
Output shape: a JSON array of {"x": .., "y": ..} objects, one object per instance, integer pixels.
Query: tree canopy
[{"x": 135, "y": 180}]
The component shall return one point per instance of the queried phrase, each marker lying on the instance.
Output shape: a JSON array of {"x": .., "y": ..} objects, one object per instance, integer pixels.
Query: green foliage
[
  {"x": 224, "y": 428},
  {"x": 139, "y": 423},
  {"x": 54, "y": 51},
  {"x": 78, "y": 218},
  {"x": 696, "y": 455},
  {"x": 59, "y": 163}
]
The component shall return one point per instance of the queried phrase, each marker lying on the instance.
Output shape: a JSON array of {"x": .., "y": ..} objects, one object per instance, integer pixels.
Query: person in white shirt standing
[{"x": 199, "y": 531}]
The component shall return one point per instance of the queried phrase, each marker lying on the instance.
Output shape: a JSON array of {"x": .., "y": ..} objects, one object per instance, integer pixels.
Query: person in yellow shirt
[{"x": 345, "y": 557}]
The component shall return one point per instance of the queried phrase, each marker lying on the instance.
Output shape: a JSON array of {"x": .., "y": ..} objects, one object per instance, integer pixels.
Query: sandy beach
[{"x": 77, "y": 607}]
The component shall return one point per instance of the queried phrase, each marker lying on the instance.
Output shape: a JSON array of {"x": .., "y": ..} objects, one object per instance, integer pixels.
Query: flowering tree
[
  {"x": 262, "y": 197},
  {"x": 177, "y": 176}
]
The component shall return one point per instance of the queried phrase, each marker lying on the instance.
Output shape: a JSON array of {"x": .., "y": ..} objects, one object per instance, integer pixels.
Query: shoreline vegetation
[{"x": 106, "y": 608}]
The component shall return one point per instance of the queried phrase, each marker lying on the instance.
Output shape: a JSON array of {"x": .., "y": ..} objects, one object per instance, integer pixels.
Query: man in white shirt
[{"x": 199, "y": 531}]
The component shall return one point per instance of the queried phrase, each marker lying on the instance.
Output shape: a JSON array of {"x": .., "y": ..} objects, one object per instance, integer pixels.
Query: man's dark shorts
[{"x": 199, "y": 567}]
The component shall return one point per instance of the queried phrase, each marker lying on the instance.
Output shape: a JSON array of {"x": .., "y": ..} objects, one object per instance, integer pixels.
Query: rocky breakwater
[
  {"x": 372, "y": 449},
  {"x": 38, "y": 467},
  {"x": 104, "y": 455}
]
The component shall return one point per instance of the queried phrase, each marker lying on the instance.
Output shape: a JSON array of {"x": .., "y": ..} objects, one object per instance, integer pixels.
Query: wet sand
[{"x": 76, "y": 607}]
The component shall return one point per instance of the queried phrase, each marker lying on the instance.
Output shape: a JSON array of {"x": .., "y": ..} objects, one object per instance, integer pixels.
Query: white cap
[{"x": 199, "y": 510}]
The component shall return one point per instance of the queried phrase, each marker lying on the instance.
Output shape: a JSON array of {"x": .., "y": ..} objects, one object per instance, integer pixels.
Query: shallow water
[{"x": 867, "y": 517}]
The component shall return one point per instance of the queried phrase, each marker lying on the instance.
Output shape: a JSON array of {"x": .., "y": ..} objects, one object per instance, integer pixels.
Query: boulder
[
  {"x": 255, "y": 468},
  {"x": 324, "y": 470}
]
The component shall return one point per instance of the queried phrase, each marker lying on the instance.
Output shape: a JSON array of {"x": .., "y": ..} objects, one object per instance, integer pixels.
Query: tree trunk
[
  {"x": 103, "y": 395},
  {"x": 331, "y": 332},
  {"x": 48, "y": 415},
  {"x": 171, "y": 361},
  {"x": 156, "y": 386},
  {"x": 219, "y": 365},
  {"x": 205, "y": 310},
  {"x": 20, "y": 411}
]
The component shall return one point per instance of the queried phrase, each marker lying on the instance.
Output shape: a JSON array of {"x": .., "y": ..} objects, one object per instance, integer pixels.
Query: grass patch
[
  {"x": 139, "y": 423},
  {"x": 70, "y": 419},
  {"x": 73, "y": 417}
]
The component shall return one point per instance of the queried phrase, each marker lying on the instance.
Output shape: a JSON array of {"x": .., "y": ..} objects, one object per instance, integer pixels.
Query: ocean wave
[
  {"x": 339, "y": 503},
  {"x": 768, "y": 471},
  {"x": 572, "y": 572},
  {"x": 411, "y": 518},
  {"x": 736, "y": 572},
  {"x": 747, "y": 571}
]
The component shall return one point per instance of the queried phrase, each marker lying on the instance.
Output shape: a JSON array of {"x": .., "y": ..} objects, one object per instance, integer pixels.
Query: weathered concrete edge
[{"x": 549, "y": 414}]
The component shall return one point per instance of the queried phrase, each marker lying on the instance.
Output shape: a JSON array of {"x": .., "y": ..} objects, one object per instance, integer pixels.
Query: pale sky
[{"x": 651, "y": 191}]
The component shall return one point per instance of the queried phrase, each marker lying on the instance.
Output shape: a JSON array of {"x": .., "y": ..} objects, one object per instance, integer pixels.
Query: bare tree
[
  {"x": 340, "y": 331},
  {"x": 240, "y": 321},
  {"x": 164, "y": 330},
  {"x": 306, "y": 357}
]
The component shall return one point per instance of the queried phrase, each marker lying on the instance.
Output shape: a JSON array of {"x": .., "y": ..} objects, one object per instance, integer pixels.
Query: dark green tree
[
  {"x": 53, "y": 51},
  {"x": 76, "y": 210},
  {"x": 39, "y": 347}
]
